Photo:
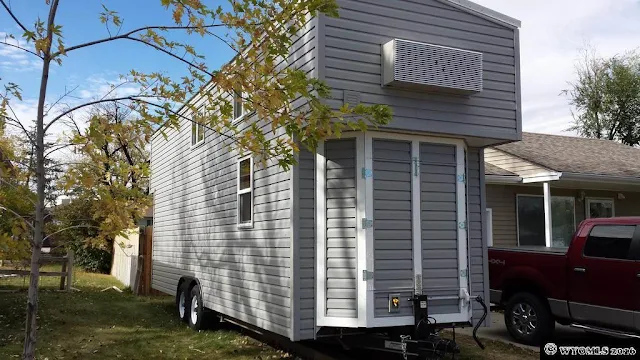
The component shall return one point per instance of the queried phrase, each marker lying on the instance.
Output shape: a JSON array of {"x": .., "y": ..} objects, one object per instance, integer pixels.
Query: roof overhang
[
  {"x": 566, "y": 179},
  {"x": 595, "y": 178},
  {"x": 484, "y": 12},
  {"x": 502, "y": 179}
]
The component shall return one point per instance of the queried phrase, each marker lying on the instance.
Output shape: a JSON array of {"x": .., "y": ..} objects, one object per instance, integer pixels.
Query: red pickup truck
[{"x": 593, "y": 285}]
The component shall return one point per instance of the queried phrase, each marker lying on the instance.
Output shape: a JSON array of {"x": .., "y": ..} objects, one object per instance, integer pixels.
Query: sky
[{"x": 552, "y": 36}]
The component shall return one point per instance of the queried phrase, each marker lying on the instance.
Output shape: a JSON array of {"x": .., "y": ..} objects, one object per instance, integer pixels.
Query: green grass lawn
[
  {"x": 110, "y": 325},
  {"x": 91, "y": 324}
]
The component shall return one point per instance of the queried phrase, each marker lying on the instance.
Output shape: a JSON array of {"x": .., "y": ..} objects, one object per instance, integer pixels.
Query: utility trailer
[{"x": 374, "y": 239}]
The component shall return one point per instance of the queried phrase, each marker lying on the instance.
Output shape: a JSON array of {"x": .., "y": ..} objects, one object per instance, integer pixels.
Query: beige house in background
[{"x": 539, "y": 189}]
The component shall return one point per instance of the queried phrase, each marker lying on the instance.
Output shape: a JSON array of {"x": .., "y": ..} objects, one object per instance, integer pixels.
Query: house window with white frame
[
  {"x": 530, "y": 218},
  {"x": 245, "y": 192},
  {"x": 238, "y": 106},
  {"x": 600, "y": 208},
  {"x": 197, "y": 131}
]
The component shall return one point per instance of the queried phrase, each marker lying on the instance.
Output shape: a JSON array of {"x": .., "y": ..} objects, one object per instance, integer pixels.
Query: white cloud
[
  {"x": 12, "y": 59},
  {"x": 552, "y": 35}
]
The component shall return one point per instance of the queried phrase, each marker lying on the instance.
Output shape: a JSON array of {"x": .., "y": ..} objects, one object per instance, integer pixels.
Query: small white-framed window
[
  {"x": 239, "y": 108},
  {"x": 600, "y": 208},
  {"x": 197, "y": 130},
  {"x": 245, "y": 192}
]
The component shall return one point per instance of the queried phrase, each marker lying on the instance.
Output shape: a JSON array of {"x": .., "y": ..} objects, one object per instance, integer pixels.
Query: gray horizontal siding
[
  {"x": 352, "y": 62},
  {"x": 307, "y": 242},
  {"x": 392, "y": 229},
  {"x": 478, "y": 270},
  {"x": 244, "y": 273},
  {"x": 341, "y": 228},
  {"x": 439, "y": 225}
]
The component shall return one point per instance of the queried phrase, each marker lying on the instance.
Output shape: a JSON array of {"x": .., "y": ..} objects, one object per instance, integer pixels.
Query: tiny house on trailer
[{"x": 381, "y": 231}]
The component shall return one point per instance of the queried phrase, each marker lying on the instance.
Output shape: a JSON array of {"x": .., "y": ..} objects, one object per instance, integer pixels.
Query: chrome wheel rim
[
  {"x": 194, "y": 310},
  {"x": 524, "y": 319},
  {"x": 181, "y": 302}
]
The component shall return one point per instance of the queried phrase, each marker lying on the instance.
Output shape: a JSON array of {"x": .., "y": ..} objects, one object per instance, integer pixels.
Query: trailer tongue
[{"x": 423, "y": 341}]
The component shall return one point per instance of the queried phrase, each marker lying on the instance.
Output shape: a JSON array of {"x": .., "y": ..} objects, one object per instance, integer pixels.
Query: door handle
[
  {"x": 638, "y": 275},
  {"x": 582, "y": 270}
]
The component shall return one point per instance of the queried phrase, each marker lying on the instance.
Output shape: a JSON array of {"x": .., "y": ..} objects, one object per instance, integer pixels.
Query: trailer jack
[{"x": 422, "y": 341}]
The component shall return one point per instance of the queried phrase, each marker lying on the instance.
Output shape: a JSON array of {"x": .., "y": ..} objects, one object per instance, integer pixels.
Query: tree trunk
[
  {"x": 38, "y": 232},
  {"x": 32, "y": 305}
]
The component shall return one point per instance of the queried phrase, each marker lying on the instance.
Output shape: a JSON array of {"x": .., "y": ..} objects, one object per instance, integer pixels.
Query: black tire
[
  {"x": 182, "y": 298},
  {"x": 528, "y": 319},
  {"x": 195, "y": 317}
]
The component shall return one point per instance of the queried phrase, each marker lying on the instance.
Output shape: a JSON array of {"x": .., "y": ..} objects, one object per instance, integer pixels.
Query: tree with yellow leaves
[{"x": 260, "y": 32}]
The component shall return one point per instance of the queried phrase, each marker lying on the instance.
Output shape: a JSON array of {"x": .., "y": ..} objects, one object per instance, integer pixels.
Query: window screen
[{"x": 609, "y": 241}]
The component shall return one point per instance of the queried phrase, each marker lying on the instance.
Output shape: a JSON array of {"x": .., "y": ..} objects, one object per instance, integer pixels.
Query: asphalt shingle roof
[
  {"x": 490, "y": 169},
  {"x": 577, "y": 155}
]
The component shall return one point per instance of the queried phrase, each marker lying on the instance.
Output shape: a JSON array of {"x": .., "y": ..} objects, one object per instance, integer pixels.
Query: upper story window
[
  {"x": 609, "y": 241},
  {"x": 197, "y": 131},
  {"x": 239, "y": 106},
  {"x": 245, "y": 192}
]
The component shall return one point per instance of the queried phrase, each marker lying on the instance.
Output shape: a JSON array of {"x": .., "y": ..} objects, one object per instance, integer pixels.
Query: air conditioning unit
[{"x": 421, "y": 66}]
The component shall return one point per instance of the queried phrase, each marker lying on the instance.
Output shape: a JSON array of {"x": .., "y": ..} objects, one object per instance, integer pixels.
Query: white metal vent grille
[{"x": 414, "y": 64}]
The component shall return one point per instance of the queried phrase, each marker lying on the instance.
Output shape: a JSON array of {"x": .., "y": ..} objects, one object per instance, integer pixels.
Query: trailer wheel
[
  {"x": 182, "y": 298},
  {"x": 528, "y": 319},
  {"x": 195, "y": 315}
]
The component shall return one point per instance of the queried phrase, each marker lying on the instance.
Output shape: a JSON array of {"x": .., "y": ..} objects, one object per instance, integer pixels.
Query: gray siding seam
[{"x": 294, "y": 274}]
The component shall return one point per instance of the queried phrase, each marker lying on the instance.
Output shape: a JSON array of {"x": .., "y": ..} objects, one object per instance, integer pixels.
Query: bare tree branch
[
  {"x": 24, "y": 28},
  {"x": 17, "y": 215},
  {"x": 58, "y": 148},
  {"x": 172, "y": 55},
  {"x": 15, "y": 122},
  {"x": 15, "y": 187},
  {"x": 69, "y": 228},
  {"x": 127, "y": 35},
  {"x": 66, "y": 93},
  {"x": 78, "y": 107},
  {"x": 20, "y": 47}
]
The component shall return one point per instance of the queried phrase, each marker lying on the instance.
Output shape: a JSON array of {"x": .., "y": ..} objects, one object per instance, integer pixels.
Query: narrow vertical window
[
  {"x": 245, "y": 192},
  {"x": 238, "y": 106},
  {"x": 197, "y": 130}
]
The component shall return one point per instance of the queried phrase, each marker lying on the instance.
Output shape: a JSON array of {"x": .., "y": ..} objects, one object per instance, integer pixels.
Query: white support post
[
  {"x": 547, "y": 214},
  {"x": 363, "y": 211},
  {"x": 463, "y": 260},
  {"x": 417, "y": 224}
]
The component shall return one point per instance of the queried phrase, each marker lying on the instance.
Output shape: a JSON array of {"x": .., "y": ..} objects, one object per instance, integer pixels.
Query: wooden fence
[{"x": 65, "y": 274}]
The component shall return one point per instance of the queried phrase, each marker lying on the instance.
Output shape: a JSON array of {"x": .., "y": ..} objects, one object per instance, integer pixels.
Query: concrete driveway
[{"x": 498, "y": 331}]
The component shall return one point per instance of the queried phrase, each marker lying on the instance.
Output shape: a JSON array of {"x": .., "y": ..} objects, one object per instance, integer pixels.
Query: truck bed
[
  {"x": 513, "y": 267},
  {"x": 538, "y": 249}
]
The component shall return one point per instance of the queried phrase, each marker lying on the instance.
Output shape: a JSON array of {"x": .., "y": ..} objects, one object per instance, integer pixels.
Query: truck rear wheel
[{"x": 528, "y": 319}]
